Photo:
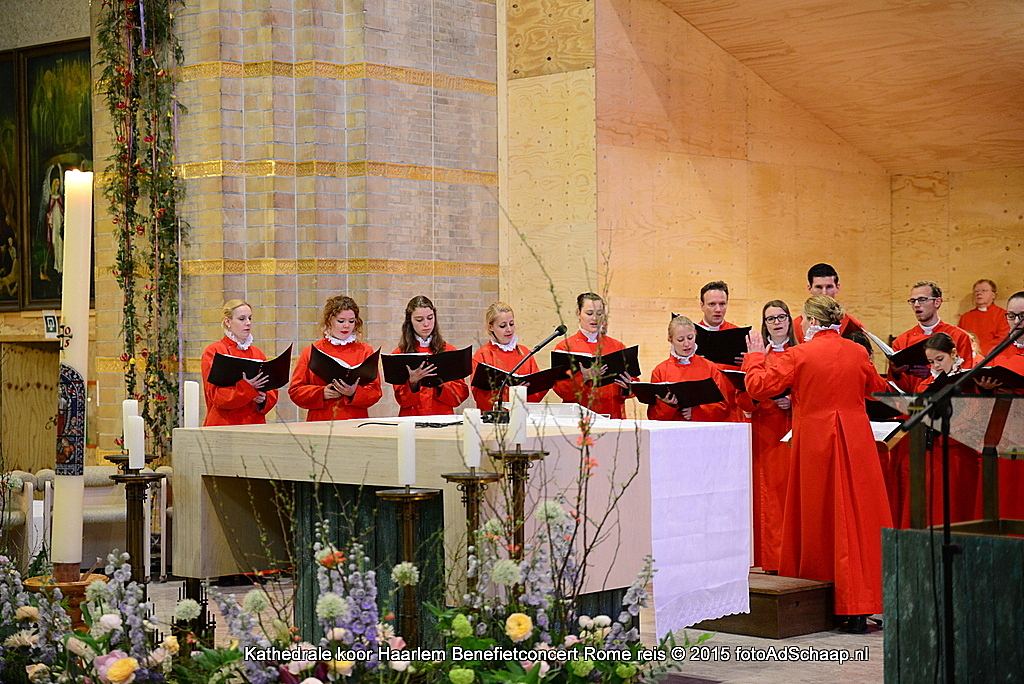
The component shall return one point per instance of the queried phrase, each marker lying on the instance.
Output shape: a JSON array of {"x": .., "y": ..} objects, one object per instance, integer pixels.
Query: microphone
[{"x": 499, "y": 414}]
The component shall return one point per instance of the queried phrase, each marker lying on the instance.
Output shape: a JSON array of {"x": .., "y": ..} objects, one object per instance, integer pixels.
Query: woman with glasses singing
[
  {"x": 770, "y": 420},
  {"x": 925, "y": 300},
  {"x": 836, "y": 505}
]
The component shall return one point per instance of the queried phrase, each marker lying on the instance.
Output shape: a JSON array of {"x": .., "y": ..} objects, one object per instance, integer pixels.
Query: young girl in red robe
[
  {"x": 421, "y": 334},
  {"x": 684, "y": 365},
  {"x": 335, "y": 400},
  {"x": 591, "y": 339},
  {"x": 836, "y": 505},
  {"x": 502, "y": 351},
  {"x": 246, "y": 403}
]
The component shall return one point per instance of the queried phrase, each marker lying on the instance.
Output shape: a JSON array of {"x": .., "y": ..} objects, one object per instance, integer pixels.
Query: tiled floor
[{"x": 723, "y": 650}]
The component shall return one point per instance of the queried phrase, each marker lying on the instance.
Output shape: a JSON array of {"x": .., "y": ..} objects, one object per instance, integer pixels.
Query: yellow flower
[
  {"x": 171, "y": 644},
  {"x": 341, "y": 668},
  {"x": 518, "y": 627},
  {"x": 123, "y": 671},
  {"x": 30, "y": 613}
]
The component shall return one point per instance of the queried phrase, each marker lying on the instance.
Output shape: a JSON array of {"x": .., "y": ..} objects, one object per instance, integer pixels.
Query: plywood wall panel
[{"x": 549, "y": 36}]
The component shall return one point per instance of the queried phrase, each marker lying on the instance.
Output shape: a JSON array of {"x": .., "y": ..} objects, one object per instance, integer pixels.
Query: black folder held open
[
  {"x": 328, "y": 368},
  {"x": 487, "y": 377},
  {"x": 618, "y": 362},
  {"x": 688, "y": 393},
  {"x": 451, "y": 365},
  {"x": 722, "y": 346},
  {"x": 226, "y": 370}
]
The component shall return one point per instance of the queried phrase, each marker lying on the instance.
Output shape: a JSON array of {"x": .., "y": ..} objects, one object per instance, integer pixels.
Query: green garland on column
[{"x": 139, "y": 53}]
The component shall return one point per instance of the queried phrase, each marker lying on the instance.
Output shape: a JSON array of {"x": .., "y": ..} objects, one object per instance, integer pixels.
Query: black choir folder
[
  {"x": 739, "y": 381},
  {"x": 911, "y": 356},
  {"x": 722, "y": 346},
  {"x": 618, "y": 362},
  {"x": 226, "y": 370},
  {"x": 487, "y": 377},
  {"x": 1007, "y": 379},
  {"x": 328, "y": 368},
  {"x": 689, "y": 393},
  {"x": 451, "y": 365}
]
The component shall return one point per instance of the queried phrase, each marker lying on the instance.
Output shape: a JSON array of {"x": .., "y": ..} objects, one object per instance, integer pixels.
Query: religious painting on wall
[
  {"x": 58, "y": 124},
  {"x": 10, "y": 170}
]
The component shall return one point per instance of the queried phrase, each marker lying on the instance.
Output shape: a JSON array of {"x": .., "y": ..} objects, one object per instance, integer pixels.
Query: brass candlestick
[
  {"x": 472, "y": 485},
  {"x": 410, "y": 499},
  {"x": 517, "y": 470}
]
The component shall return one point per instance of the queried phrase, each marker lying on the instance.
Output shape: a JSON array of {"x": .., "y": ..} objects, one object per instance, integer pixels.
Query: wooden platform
[{"x": 780, "y": 607}]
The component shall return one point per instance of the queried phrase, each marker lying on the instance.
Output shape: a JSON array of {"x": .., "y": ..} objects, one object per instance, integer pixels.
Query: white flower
[
  {"x": 602, "y": 621},
  {"x": 106, "y": 624},
  {"x": 506, "y": 573},
  {"x": 96, "y": 591},
  {"x": 13, "y": 482},
  {"x": 256, "y": 601},
  {"x": 405, "y": 574},
  {"x": 81, "y": 649},
  {"x": 37, "y": 672},
  {"x": 493, "y": 526},
  {"x": 30, "y": 613},
  {"x": 23, "y": 638},
  {"x": 550, "y": 511},
  {"x": 297, "y": 666},
  {"x": 399, "y": 665},
  {"x": 330, "y": 606},
  {"x": 338, "y": 634},
  {"x": 311, "y": 680},
  {"x": 187, "y": 609},
  {"x": 157, "y": 657},
  {"x": 586, "y": 622},
  {"x": 384, "y": 631}
]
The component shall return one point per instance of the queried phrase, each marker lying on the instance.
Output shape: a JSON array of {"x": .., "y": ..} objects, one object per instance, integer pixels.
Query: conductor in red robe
[
  {"x": 836, "y": 506},
  {"x": 245, "y": 403}
]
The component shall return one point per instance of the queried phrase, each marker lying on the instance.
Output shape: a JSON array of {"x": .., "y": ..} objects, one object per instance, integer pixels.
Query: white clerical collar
[
  {"x": 929, "y": 329},
  {"x": 1019, "y": 342},
  {"x": 704, "y": 325},
  {"x": 241, "y": 344},
  {"x": 511, "y": 346},
  {"x": 956, "y": 368},
  {"x": 813, "y": 330},
  {"x": 339, "y": 341},
  {"x": 683, "y": 360},
  {"x": 982, "y": 308},
  {"x": 423, "y": 341},
  {"x": 591, "y": 337},
  {"x": 777, "y": 347}
]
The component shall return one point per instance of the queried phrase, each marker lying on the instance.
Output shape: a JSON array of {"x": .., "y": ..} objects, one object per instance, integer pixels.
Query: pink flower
[
  {"x": 571, "y": 640},
  {"x": 529, "y": 665},
  {"x": 397, "y": 643}
]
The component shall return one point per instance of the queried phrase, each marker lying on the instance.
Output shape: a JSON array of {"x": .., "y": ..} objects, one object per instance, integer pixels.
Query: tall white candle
[
  {"x": 135, "y": 439},
  {"x": 407, "y": 453},
  {"x": 69, "y": 487},
  {"x": 129, "y": 408},
  {"x": 471, "y": 426},
  {"x": 191, "y": 404},
  {"x": 516, "y": 417}
]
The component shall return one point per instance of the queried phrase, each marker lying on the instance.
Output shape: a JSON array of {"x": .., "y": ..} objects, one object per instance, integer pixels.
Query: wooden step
[{"x": 780, "y": 607}]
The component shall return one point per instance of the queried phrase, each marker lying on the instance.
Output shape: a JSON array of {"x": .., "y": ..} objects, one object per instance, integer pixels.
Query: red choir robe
[
  {"x": 990, "y": 326},
  {"x": 233, "y": 405},
  {"x": 430, "y": 401},
  {"x": 908, "y": 383},
  {"x": 964, "y": 480},
  {"x": 493, "y": 355},
  {"x": 845, "y": 324},
  {"x": 610, "y": 399},
  {"x": 1011, "y": 472},
  {"x": 307, "y": 388},
  {"x": 836, "y": 505},
  {"x": 699, "y": 368},
  {"x": 769, "y": 424}
]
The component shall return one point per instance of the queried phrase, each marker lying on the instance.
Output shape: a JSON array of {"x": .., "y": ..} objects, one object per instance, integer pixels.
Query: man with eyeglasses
[
  {"x": 1013, "y": 356},
  {"x": 925, "y": 300},
  {"x": 823, "y": 279},
  {"x": 1011, "y": 472},
  {"x": 986, "y": 320}
]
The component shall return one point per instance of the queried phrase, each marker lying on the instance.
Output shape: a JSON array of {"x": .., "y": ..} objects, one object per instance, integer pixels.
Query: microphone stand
[
  {"x": 940, "y": 405},
  {"x": 499, "y": 414}
]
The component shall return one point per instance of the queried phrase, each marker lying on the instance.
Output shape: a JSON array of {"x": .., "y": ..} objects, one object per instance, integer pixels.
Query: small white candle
[
  {"x": 191, "y": 419},
  {"x": 407, "y": 453},
  {"x": 516, "y": 417},
  {"x": 135, "y": 439},
  {"x": 471, "y": 426},
  {"x": 129, "y": 407}
]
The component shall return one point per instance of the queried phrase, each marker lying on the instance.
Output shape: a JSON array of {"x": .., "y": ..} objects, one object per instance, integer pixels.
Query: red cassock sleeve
[
  {"x": 306, "y": 389},
  {"x": 768, "y": 377},
  {"x": 723, "y": 410},
  {"x": 238, "y": 396}
]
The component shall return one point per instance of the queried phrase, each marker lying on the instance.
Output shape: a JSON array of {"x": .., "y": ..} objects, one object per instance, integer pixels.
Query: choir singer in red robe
[
  {"x": 502, "y": 351},
  {"x": 591, "y": 339},
  {"x": 836, "y": 506},
  {"x": 422, "y": 335},
  {"x": 684, "y": 365},
  {"x": 246, "y": 403},
  {"x": 342, "y": 327}
]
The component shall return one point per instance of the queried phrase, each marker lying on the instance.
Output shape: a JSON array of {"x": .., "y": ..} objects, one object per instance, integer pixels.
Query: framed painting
[
  {"x": 57, "y": 116},
  {"x": 10, "y": 187}
]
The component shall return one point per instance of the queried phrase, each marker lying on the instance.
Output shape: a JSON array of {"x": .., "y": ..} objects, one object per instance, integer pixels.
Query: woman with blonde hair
[
  {"x": 422, "y": 335},
  {"x": 684, "y": 365},
  {"x": 245, "y": 403},
  {"x": 341, "y": 327},
  {"x": 836, "y": 505},
  {"x": 502, "y": 351}
]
